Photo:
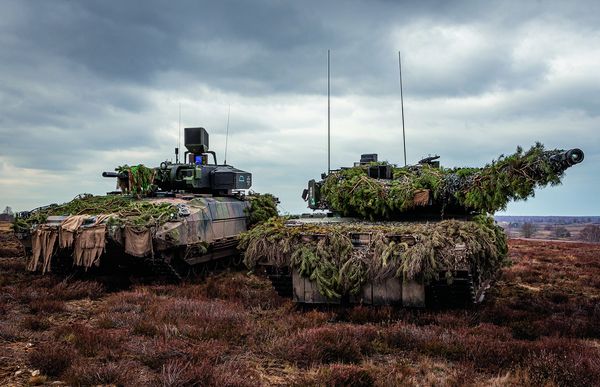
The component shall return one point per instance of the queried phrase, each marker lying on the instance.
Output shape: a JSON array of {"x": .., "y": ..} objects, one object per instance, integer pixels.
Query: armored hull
[
  {"x": 196, "y": 229},
  {"x": 334, "y": 260},
  {"x": 465, "y": 288}
]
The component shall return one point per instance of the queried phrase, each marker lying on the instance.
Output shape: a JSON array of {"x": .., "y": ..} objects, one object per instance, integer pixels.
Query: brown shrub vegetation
[
  {"x": 9, "y": 245},
  {"x": 12, "y": 265},
  {"x": 46, "y": 305},
  {"x": 156, "y": 353},
  {"x": 178, "y": 372},
  {"x": 77, "y": 290},
  {"x": 235, "y": 372},
  {"x": 250, "y": 291},
  {"x": 3, "y": 308},
  {"x": 537, "y": 326},
  {"x": 342, "y": 375},
  {"x": 144, "y": 327},
  {"x": 51, "y": 358},
  {"x": 490, "y": 349},
  {"x": 544, "y": 295},
  {"x": 564, "y": 362},
  {"x": 327, "y": 344},
  {"x": 85, "y": 373},
  {"x": 200, "y": 319},
  {"x": 10, "y": 332},
  {"x": 35, "y": 323},
  {"x": 90, "y": 341}
]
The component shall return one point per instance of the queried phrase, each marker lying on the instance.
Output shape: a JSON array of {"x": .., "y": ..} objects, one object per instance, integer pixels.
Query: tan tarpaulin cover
[
  {"x": 421, "y": 197},
  {"x": 43, "y": 243},
  {"x": 90, "y": 243},
  {"x": 68, "y": 228},
  {"x": 138, "y": 242},
  {"x": 89, "y": 246}
]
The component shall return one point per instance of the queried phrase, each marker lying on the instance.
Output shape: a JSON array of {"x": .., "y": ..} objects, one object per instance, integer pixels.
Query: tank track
[
  {"x": 177, "y": 270},
  {"x": 281, "y": 279},
  {"x": 462, "y": 292},
  {"x": 160, "y": 268},
  {"x": 116, "y": 263}
]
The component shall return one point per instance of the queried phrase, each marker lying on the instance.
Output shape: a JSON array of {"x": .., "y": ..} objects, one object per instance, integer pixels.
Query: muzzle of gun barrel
[
  {"x": 568, "y": 158},
  {"x": 574, "y": 156}
]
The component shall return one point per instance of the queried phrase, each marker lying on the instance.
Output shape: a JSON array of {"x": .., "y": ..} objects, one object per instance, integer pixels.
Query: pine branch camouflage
[
  {"x": 457, "y": 203},
  {"x": 351, "y": 192}
]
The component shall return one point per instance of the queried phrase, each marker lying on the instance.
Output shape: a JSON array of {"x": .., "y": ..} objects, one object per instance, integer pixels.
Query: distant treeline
[{"x": 549, "y": 219}]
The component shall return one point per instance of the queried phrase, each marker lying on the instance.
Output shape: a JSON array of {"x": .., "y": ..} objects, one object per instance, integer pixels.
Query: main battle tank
[
  {"x": 420, "y": 235},
  {"x": 170, "y": 219}
]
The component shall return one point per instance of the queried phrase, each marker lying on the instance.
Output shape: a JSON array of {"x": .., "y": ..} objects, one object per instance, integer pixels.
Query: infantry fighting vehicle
[
  {"x": 170, "y": 218},
  {"x": 419, "y": 235}
]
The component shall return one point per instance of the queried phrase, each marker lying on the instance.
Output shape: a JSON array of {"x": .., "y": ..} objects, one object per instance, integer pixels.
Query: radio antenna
[
  {"x": 402, "y": 106},
  {"x": 227, "y": 134},
  {"x": 179, "y": 136},
  {"x": 328, "y": 116}
]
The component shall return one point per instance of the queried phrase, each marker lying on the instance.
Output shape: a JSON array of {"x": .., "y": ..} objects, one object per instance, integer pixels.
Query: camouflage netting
[
  {"x": 125, "y": 210},
  {"x": 351, "y": 192},
  {"x": 137, "y": 218},
  {"x": 338, "y": 269},
  {"x": 262, "y": 208}
]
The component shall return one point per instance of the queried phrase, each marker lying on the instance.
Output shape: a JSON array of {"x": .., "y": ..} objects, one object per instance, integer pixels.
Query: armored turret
[
  {"x": 199, "y": 174},
  {"x": 382, "y": 191}
]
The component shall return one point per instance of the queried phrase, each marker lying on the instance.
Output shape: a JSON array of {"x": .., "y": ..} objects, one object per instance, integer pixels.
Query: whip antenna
[
  {"x": 179, "y": 137},
  {"x": 402, "y": 106},
  {"x": 328, "y": 117},
  {"x": 227, "y": 134}
]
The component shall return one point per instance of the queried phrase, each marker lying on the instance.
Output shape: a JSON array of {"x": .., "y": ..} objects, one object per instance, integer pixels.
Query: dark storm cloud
[
  {"x": 271, "y": 46},
  {"x": 248, "y": 47},
  {"x": 133, "y": 41}
]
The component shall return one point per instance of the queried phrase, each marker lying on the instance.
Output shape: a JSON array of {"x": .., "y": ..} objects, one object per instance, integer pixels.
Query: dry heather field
[{"x": 539, "y": 325}]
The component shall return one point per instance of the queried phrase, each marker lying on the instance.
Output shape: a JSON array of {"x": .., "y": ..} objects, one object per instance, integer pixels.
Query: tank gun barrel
[
  {"x": 429, "y": 160},
  {"x": 120, "y": 175},
  {"x": 567, "y": 159}
]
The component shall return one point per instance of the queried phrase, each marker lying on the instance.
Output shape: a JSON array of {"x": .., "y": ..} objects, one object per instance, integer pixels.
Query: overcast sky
[{"x": 86, "y": 86}]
